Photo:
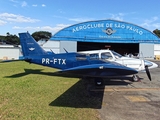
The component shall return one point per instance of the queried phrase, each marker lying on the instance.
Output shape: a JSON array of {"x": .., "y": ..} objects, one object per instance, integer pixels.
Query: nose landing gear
[{"x": 136, "y": 78}]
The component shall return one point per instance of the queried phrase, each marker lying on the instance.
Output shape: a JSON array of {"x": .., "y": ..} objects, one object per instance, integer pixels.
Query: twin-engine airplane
[
  {"x": 140, "y": 65},
  {"x": 79, "y": 64}
]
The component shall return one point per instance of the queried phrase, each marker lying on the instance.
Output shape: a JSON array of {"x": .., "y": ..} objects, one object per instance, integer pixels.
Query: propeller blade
[{"x": 147, "y": 72}]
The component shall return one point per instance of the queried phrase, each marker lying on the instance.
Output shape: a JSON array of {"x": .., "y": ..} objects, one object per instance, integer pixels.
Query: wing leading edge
[{"x": 101, "y": 70}]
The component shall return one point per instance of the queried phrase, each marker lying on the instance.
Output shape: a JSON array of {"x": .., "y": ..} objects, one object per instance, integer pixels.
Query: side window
[
  {"x": 94, "y": 56},
  {"x": 106, "y": 55},
  {"x": 81, "y": 57}
]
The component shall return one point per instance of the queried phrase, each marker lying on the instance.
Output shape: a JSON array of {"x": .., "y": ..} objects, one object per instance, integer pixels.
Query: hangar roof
[{"x": 110, "y": 31}]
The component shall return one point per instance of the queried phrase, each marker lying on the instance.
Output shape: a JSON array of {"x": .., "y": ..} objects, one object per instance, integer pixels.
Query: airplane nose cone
[{"x": 150, "y": 64}]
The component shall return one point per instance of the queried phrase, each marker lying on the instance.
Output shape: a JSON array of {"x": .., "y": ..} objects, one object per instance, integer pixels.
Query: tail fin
[{"x": 29, "y": 45}]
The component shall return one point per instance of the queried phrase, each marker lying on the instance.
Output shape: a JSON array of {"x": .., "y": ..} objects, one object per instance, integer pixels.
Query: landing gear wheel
[
  {"x": 99, "y": 82},
  {"x": 136, "y": 78}
]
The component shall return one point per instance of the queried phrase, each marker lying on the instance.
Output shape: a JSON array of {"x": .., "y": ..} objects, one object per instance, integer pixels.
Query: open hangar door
[{"x": 122, "y": 48}]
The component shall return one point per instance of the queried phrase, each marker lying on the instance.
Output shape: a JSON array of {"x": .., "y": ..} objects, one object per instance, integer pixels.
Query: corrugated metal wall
[
  {"x": 9, "y": 53},
  {"x": 52, "y": 46},
  {"x": 147, "y": 50},
  {"x": 70, "y": 46}
]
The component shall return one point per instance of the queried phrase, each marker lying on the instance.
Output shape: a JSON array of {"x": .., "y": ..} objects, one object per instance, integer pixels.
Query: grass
[{"x": 32, "y": 92}]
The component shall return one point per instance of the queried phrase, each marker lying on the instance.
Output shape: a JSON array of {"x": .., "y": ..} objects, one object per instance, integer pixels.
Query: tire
[
  {"x": 99, "y": 82},
  {"x": 135, "y": 78}
]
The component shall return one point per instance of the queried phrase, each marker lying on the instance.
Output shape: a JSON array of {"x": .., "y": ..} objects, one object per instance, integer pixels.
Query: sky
[{"x": 18, "y": 16}]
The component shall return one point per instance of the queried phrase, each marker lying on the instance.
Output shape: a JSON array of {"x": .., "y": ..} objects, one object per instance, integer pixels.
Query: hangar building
[
  {"x": 119, "y": 36},
  {"x": 8, "y": 52}
]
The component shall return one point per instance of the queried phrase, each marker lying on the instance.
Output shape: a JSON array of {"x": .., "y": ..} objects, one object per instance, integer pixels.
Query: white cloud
[
  {"x": 60, "y": 26},
  {"x": 43, "y": 28},
  {"x": 80, "y": 19},
  {"x": 2, "y": 22},
  {"x": 61, "y": 11},
  {"x": 118, "y": 16},
  {"x": 14, "y": 1},
  {"x": 156, "y": 25},
  {"x": 151, "y": 23},
  {"x": 76, "y": 19},
  {"x": 17, "y": 3},
  {"x": 24, "y": 4},
  {"x": 17, "y": 18},
  {"x": 148, "y": 22},
  {"x": 34, "y": 5},
  {"x": 43, "y": 5}
]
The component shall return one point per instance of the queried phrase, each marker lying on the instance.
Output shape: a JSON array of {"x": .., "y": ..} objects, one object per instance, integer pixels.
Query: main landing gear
[{"x": 98, "y": 82}]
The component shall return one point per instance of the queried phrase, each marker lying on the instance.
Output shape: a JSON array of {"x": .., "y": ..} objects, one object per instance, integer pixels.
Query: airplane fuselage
[
  {"x": 63, "y": 61},
  {"x": 108, "y": 55},
  {"x": 97, "y": 64}
]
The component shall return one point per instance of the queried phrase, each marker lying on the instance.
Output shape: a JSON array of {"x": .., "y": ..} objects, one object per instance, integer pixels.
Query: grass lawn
[{"x": 31, "y": 92}]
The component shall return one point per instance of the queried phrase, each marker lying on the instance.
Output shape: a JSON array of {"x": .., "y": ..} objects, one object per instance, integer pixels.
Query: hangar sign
[
  {"x": 107, "y": 25},
  {"x": 111, "y": 31}
]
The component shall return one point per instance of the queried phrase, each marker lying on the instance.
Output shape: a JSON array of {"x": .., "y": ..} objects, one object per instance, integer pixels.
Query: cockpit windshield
[
  {"x": 116, "y": 54},
  {"x": 106, "y": 55}
]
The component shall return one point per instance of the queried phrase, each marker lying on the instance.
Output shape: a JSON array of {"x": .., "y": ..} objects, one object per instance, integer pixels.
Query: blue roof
[{"x": 106, "y": 31}]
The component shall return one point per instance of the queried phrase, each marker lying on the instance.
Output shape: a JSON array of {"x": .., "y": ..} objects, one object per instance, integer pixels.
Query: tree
[
  {"x": 42, "y": 35},
  {"x": 157, "y": 32},
  {"x": 11, "y": 39}
]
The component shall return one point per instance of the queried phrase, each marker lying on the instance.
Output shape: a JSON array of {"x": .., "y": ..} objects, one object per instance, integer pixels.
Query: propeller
[
  {"x": 146, "y": 68},
  {"x": 147, "y": 72}
]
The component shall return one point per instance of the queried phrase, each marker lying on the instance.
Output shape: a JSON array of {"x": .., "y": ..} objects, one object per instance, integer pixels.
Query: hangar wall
[
  {"x": 70, "y": 46},
  {"x": 8, "y": 53},
  {"x": 157, "y": 49},
  {"x": 146, "y": 50},
  {"x": 60, "y": 46},
  {"x": 52, "y": 46}
]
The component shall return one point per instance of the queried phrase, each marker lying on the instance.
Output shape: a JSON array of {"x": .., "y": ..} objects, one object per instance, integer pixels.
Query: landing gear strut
[{"x": 135, "y": 78}]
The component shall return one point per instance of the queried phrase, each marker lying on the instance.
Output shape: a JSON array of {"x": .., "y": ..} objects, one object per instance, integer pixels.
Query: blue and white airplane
[
  {"x": 73, "y": 63},
  {"x": 140, "y": 65}
]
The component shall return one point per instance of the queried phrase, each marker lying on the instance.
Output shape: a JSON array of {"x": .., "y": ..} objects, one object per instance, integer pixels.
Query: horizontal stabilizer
[{"x": 21, "y": 59}]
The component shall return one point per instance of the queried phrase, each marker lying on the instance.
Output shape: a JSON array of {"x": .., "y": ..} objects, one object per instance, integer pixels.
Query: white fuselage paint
[{"x": 135, "y": 63}]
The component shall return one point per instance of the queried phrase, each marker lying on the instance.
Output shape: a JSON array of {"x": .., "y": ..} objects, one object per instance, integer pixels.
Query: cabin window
[
  {"x": 94, "y": 56},
  {"x": 81, "y": 57},
  {"x": 106, "y": 55}
]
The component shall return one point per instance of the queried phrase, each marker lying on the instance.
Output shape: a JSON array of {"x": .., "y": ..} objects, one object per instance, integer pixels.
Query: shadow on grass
[
  {"x": 80, "y": 95},
  {"x": 84, "y": 95},
  {"x": 40, "y": 72},
  {"x": 26, "y": 72},
  {"x": 77, "y": 96}
]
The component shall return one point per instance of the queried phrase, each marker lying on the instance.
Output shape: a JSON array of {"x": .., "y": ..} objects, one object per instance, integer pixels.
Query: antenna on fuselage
[
  {"x": 65, "y": 50},
  {"x": 52, "y": 51}
]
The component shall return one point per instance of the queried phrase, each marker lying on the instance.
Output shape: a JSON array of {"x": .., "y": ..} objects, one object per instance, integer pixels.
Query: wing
[{"x": 101, "y": 70}]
